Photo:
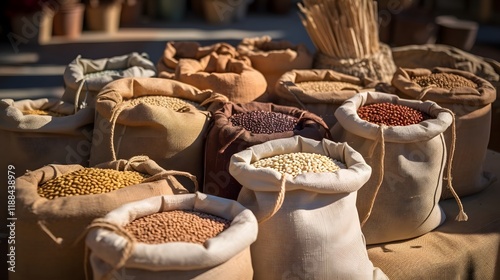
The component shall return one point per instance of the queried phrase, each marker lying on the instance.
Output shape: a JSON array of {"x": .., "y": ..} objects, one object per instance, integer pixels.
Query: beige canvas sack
[
  {"x": 401, "y": 198},
  {"x": 324, "y": 103},
  {"x": 308, "y": 224},
  {"x": 172, "y": 138},
  {"x": 49, "y": 241},
  {"x": 274, "y": 58},
  {"x": 177, "y": 50},
  {"x": 472, "y": 109},
  {"x": 225, "y": 256},
  {"x": 32, "y": 141},
  {"x": 84, "y": 77}
]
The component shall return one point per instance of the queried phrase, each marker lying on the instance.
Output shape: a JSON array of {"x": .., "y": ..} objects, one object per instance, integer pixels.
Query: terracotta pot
[
  {"x": 104, "y": 17},
  {"x": 457, "y": 33},
  {"x": 68, "y": 20},
  {"x": 131, "y": 13}
]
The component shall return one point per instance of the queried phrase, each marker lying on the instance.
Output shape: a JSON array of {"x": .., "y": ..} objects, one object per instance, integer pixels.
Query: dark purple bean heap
[
  {"x": 264, "y": 122},
  {"x": 391, "y": 114}
]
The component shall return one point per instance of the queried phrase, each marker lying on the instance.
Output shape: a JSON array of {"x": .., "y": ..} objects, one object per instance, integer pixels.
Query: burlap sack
[
  {"x": 84, "y": 78},
  {"x": 231, "y": 77},
  {"x": 400, "y": 201},
  {"x": 226, "y": 256},
  {"x": 308, "y": 224},
  {"x": 32, "y": 141},
  {"x": 274, "y": 58},
  {"x": 175, "y": 51},
  {"x": 434, "y": 55},
  {"x": 174, "y": 139},
  {"x": 49, "y": 241},
  {"x": 472, "y": 109},
  {"x": 379, "y": 66},
  {"x": 323, "y": 104},
  {"x": 224, "y": 139}
]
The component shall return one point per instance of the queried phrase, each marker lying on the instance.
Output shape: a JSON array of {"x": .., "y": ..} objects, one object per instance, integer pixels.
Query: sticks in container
[{"x": 342, "y": 28}]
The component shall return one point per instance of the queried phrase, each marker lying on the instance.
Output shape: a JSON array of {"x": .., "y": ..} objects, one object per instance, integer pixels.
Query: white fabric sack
[
  {"x": 308, "y": 225},
  {"x": 226, "y": 256}
]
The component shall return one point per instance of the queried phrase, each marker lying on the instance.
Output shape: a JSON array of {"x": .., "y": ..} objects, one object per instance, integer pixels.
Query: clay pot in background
[
  {"x": 68, "y": 20},
  {"x": 131, "y": 12},
  {"x": 456, "y": 32},
  {"x": 103, "y": 16}
]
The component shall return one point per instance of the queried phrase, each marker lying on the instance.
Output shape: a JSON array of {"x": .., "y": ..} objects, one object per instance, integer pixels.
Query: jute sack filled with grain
[
  {"x": 84, "y": 77},
  {"x": 434, "y": 55},
  {"x": 55, "y": 204},
  {"x": 319, "y": 91},
  {"x": 469, "y": 98},
  {"x": 223, "y": 74},
  {"x": 274, "y": 58},
  {"x": 160, "y": 118},
  {"x": 403, "y": 141},
  {"x": 176, "y": 50},
  {"x": 236, "y": 127},
  {"x": 37, "y": 132},
  {"x": 308, "y": 223},
  {"x": 125, "y": 242}
]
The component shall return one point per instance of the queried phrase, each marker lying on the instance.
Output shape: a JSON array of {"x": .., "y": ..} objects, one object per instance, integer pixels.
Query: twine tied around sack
[
  {"x": 126, "y": 253},
  {"x": 169, "y": 173},
  {"x": 381, "y": 171},
  {"x": 279, "y": 200},
  {"x": 114, "y": 118},
  {"x": 77, "y": 95}
]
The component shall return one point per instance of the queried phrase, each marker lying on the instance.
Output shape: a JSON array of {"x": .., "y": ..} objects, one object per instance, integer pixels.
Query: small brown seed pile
[
  {"x": 177, "y": 226},
  {"x": 444, "y": 80},
  {"x": 43, "y": 113},
  {"x": 326, "y": 86},
  {"x": 391, "y": 114},
  {"x": 172, "y": 103},
  {"x": 300, "y": 162},
  {"x": 264, "y": 122},
  {"x": 89, "y": 181}
]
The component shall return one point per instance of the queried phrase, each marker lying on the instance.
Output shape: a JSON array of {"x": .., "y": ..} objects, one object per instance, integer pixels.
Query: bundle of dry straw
[{"x": 342, "y": 28}]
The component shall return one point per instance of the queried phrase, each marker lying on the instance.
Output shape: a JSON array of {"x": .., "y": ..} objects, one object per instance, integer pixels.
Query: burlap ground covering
[
  {"x": 274, "y": 58},
  {"x": 174, "y": 139},
  {"x": 308, "y": 225},
  {"x": 224, "y": 139},
  {"x": 454, "y": 250},
  {"x": 322, "y": 104},
  {"x": 472, "y": 109},
  {"x": 49, "y": 241},
  {"x": 32, "y": 141},
  {"x": 379, "y": 66},
  {"x": 84, "y": 77},
  {"x": 408, "y": 166},
  {"x": 434, "y": 55},
  {"x": 176, "y": 50},
  {"x": 226, "y": 256}
]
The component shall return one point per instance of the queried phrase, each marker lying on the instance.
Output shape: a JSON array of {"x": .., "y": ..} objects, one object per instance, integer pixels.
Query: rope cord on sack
[
  {"x": 127, "y": 251},
  {"x": 424, "y": 91},
  {"x": 221, "y": 150},
  {"x": 279, "y": 201},
  {"x": 134, "y": 159},
  {"x": 462, "y": 216},
  {"x": 291, "y": 90},
  {"x": 169, "y": 173},
  {"x": 57, "y": 240},
  {"x": 381, "y": 173},
  {"x": 77, "y": 95},
  {"x": 114, "y": 117}
]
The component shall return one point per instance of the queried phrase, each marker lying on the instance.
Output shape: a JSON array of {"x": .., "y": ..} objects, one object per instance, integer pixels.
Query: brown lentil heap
[
  {"x": 325, "y": 86},
  {"x": 43, "y": 113},
  {"x": 264, "y": 122},
  {"x": 443, "y": 80},
  {"x": 89, "y": 181},
  {"x": 172, "y": 103},
  {"x": 177, "y": 226},
  {"x": 391, "y": 114},
  {"x": 299, "y": 163}
]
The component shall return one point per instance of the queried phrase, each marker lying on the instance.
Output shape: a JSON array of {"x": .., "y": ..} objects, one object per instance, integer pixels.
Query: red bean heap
[
  {"x": 391, "y": 114},
  {"x": 264, "y": 122}
]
